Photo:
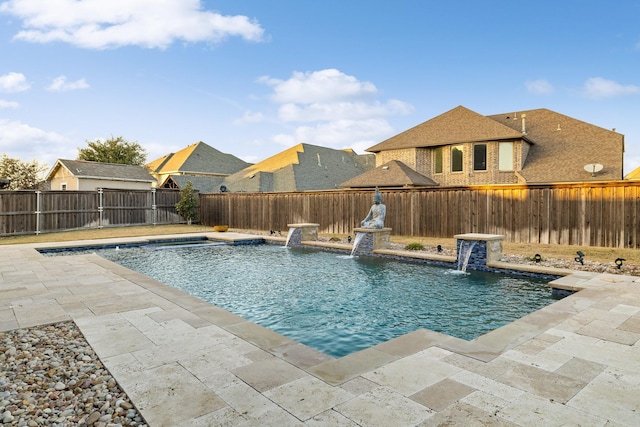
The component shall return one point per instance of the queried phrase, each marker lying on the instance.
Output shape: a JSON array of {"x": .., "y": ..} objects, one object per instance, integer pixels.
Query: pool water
[{"x": 335, "y": 303}]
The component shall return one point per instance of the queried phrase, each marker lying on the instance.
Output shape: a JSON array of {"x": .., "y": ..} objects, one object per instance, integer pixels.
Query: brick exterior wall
[
  {"x": 422, "y": 160},
  {"x": 406, "y": 156}
]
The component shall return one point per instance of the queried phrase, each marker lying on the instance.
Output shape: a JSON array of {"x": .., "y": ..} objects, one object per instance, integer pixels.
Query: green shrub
[
  {"x": 187, "y": 207},
  {"x": 415, "y": 246}
]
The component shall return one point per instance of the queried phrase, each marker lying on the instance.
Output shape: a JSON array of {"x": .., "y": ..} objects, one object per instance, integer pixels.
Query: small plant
[
  {"x": 415, "y": 246},
  {"x": 187, "y": 207}
]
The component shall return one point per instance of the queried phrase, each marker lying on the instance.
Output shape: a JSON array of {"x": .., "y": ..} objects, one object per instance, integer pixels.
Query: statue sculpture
[{"x": 377, "y": 213}]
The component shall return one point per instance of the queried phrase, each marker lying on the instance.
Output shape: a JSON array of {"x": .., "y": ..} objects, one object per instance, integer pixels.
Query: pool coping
[
  {"x": 596, "y": 294},
  {"x": 336, "y": 371}
]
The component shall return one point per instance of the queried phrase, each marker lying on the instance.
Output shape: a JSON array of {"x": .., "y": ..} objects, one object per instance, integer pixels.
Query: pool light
[
  {"x": 618, "y": 262},
  {"x": 537, "y": 258},
  {"x": 580, "y": 257}
]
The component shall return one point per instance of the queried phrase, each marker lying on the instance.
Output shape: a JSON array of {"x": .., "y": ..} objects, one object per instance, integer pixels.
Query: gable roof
[
  {"x": 198, "y": 158},
  {"x": 634, "y": 174},
  {"x": 564, "y": 145},
  {"x": 454, "y": 126},
  {"x": 302, "y": 167},
  {"x": 392, "y": 174},
  {"x": 83, "y": 169}
]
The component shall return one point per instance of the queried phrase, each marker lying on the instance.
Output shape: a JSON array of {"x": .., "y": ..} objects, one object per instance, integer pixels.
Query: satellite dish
[{"x": 592, "y": 168}]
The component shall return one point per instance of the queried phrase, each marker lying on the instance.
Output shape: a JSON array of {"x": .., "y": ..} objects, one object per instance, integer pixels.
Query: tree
[
  {"x": 22, "y": 175},
  {"x": 113, "y": 150},
  {"x": 187, "y": 207}
]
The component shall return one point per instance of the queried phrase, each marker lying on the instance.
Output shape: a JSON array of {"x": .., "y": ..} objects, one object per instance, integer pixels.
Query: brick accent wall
[
  {"x": 406, "y": 156},
  {"x": 423, "y": 158}
]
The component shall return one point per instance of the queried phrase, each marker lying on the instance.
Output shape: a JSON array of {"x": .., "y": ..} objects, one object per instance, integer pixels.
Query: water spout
[
  {"x": 289, "y": 234},
  {"x": 464, "y": 254},
  {"x": 356, "y": 242}
]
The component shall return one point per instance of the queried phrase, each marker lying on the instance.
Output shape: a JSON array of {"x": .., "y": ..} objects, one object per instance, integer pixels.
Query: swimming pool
[{"x": 335, "y": 303}]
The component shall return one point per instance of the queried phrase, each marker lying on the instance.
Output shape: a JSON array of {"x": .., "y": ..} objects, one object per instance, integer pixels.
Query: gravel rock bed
[
  {"x": 571, "y": 264},
  {"x": 50, "y": 376}
]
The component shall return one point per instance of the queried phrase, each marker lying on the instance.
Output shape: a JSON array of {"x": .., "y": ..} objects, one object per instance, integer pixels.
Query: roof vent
[
  {"x": 558, "y": 128},
  {"x": 386, "y": 168},
  {"x": 524, "y": 127}
]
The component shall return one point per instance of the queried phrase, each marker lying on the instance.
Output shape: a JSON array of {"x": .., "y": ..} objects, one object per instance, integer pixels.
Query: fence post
[
  {"x": 154, "y": 209},
  {"x": 38, "y": 210},
  {"x": 100, "y": 208}
]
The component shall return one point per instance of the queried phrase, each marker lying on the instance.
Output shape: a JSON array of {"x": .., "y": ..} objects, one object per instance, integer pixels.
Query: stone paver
[{"x": 184, "y": 362}]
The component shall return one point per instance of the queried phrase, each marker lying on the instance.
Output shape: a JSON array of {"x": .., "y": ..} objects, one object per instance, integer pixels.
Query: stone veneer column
[
  {"x": 374, "y": 238},
  {"x": 488, "y": 248},
  {"x": 303, "y": 232}
]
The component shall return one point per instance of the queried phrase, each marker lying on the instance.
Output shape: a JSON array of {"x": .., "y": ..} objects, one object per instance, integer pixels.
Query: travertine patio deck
[{"x": 184, "y": 362}]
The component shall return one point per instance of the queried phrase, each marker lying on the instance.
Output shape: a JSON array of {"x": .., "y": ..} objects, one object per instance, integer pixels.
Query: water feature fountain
[
  {"x": 356, "y": 243},
  {"x": 291, "y": 232},
  {"x": 372, "y": 234},
  {"x": 299, "y": 233},
  {"x": 475, "y": 250},
  {"x": 464, "y": 254}
]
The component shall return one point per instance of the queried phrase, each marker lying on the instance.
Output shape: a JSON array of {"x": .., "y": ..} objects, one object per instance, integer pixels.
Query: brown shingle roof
[
  {"x": 564, "y": 145},
  {"x": 98, "y": 170},
  {"x": 391, "y": 174},
  {"x": 454, "y": 126}
]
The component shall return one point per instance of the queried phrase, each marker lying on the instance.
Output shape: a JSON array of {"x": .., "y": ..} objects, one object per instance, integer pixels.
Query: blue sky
[{"x": 253, "y": 77}]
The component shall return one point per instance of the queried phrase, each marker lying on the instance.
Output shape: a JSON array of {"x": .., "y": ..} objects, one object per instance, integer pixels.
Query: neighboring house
[
  {"x": 199, "y": 163},
  {"x": 81, "y": 175},
  {"x": 633, "y": 175},
  {"x": 303, "y": 167},
  {"x": 462, "y": 147}
]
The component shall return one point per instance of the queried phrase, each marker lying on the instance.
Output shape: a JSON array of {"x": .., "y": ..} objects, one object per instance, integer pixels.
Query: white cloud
[
  {"x": 539, "y": 87},
  {"x": 60, "y": 84},
  {"x": 13, "y": 82},
  {"x": 8, "y": 104},
  {"x": 26, "y": 142},
  {"x": 357, "y": 134},
  {"x": 147, "y": 23},
  {"x": 250, "y": 117},
  {"x": 332, "y": 109},
  {"x": 318, "y": 87},
  {"x": 597, "y": 88},
  {"x": 341, "y": 110}
]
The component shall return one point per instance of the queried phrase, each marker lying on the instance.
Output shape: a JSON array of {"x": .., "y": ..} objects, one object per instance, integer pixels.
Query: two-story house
[{"x": 461, "y": 147}]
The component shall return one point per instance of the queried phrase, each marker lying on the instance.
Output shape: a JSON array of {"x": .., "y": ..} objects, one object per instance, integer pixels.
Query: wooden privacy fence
[
  {"x": 587, "y": 214},
  {"x": 34, "y": 212}
]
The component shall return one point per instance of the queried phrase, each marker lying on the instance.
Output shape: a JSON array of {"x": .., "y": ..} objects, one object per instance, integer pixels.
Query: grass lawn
[{"x": 598, "y": 254}]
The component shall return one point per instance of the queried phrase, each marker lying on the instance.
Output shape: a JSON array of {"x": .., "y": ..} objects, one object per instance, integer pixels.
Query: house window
[
  {"x": 456, "y": 158},
  {"x": 480, "y": 157},
  {"x": 437, "y": 160},
  {"x": 505, "y": 156},
  {"x": 63, "y": 187}
]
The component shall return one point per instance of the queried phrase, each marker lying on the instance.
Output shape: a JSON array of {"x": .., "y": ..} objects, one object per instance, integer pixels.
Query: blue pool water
[{"x": 335, "y": 303}]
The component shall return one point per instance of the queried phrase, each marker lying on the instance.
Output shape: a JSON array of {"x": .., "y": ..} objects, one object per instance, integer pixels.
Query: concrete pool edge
[
  {"x": 336, "y": 371},
  {"x": 559, "y": 376}
]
